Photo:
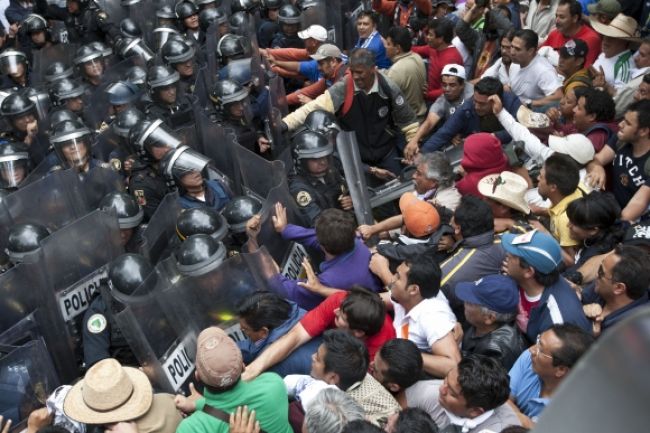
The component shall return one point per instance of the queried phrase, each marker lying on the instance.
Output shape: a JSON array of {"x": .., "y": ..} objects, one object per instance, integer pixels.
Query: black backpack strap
[{"x": 219, "y": 414}]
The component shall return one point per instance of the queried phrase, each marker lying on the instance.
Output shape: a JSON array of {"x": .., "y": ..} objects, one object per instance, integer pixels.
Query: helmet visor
[
  {"x": 12, "y": 65},
  {"x": 161, "y": 137},
  {"x": 74, "y": 153},
  {"x": 12, "y": 172}
]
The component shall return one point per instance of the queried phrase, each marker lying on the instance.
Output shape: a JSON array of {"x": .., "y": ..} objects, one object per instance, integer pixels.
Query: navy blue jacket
[{"x": 465, "y": 121}]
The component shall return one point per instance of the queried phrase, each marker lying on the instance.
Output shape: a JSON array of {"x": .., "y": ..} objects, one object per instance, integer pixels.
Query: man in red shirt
[
  {"x": 359, "y": 310},
  {"x": 569, "y": 25},
  {"x": 440, "y": 52}
]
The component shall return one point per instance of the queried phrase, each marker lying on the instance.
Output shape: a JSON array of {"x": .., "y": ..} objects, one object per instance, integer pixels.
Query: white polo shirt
[{"x": 428, "y": 321}]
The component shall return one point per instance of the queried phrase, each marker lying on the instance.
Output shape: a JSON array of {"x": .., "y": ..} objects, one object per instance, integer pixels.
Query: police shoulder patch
[
  {"x": 96, "y": 323},
  {"x": 399, "y": 100},
  {"x": 139, "y": 196},
  {"x": 116, "y": 164},
  {"x": 303, "y": 198}
]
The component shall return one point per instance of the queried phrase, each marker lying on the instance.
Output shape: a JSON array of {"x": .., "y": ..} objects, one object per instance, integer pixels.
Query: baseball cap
[
  {"x": 609, "y": 8},
  {"x": 420, "y": 218},
  {"x": 539, "y": 250},
  {"x": 325, "y": 51},
  {"x": 315, "y": 32},
  {"x": 577, "y": 146},
  {"x": 574, "y": 48},
  {"x": 638, "y": 234},
  {"x": 454, "y": 70},
  {"x": 498, "y": 293},
  {"x": 218, "y": 359}
]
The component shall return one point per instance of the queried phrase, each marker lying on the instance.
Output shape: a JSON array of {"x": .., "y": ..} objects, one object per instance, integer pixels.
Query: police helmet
[
  {"x": 206, "y": 2},
  {"x": 15, "y": 105},
  {"x": 129, "y": 213},
  {"x": 128, "y": 272},
  {"x": 106, "y": 50},
  {"x": 321, "y": 121},
  {"x": 130, "y": 47},
  {"x": 122, "y": 93},
  {"x": 202, "y": 220},
  {"x": 272, "y": 4},
  {"x": 306, "y": 4},
  {"x": 14, "y": 157},
  {"x": 34, "y": 23},
  {"x": 240, "y": 72},
  {"x": 230, "y": 46},
  {"x": 125, "y": 120},
  {"x": 57, "y": 71},
  {"x": 185, "y": 9},
  {"x": 239, "y": 210},
  {"x": 243, "y": 5},
  {"x": 199, "y": 254},
  {"x": 166, "y": 12},
  {"x": 61, "y": 115},
  {"x": 149, "y": 134},
  {"x": 289, "y": 14},
  {"x": 162, "y": 34},
  {"x": 226, "y": 92},
  {"x": 207, "y": 17},
  {"x": 9, "y": 61},
  {"x": 181, "y": 161},
  {"x": 161, "y": 76},
  {"x": 176, "y": 51},
  {"x": 311, "y": 145},
  {"x": 136, "y": 75},
  {"x": 86, "y": 53},
  {"x": 65, "y": 89},
  {"x": 129, "y": 2},
  {"x": 130, "y": 29},
  {"x": 239, "y": 22},
  {"x": 73, "y": 135},
  {"x": 25, "y": 239}
]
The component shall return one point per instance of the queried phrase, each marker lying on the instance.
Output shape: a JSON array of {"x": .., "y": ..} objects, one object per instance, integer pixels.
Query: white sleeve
[{"x": 533, "y": 146}]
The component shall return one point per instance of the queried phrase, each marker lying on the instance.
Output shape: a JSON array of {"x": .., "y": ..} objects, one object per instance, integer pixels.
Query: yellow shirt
[{"x": 560, "y": 220}]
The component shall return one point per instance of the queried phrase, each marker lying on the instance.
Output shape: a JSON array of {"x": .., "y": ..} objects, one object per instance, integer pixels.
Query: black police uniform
[
  {"x": 176, "y": 115},
  {"x": 92, "y": 24},
  {"x": 147, "y": 187},
  {"x": 313, "y": 195},
  {"x": 281, "y": 40}
]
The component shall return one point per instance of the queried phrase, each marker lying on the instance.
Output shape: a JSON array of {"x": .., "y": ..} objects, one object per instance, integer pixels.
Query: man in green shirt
[{"x": 218, "y": 367}]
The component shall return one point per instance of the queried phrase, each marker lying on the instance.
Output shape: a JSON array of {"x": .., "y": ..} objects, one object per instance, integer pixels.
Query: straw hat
[
  {"x": 621, "y": 26},
  {"x": 507, "y": 188},
  {"x": 109, "y": 393}
]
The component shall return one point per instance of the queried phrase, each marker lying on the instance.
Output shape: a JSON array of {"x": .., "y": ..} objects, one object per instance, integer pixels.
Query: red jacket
[
  {"x": 482, "y": 155},
  {"x": 437, "y": 61}
]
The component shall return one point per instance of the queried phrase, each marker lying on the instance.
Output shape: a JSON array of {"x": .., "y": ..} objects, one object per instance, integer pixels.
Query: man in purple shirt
[{"x": 334, "y": 235}]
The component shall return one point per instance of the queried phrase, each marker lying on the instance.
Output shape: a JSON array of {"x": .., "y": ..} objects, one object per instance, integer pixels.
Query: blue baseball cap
[
  {"x": 540, "y": 250},
  {"x": 498, "y": 293}
]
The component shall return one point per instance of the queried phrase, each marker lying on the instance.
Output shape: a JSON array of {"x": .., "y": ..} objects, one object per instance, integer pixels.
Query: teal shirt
[{"x": 266, "y": 394}]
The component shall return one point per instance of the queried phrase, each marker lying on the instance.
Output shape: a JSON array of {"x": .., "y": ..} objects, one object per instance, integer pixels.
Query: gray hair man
[{"x": 330, "y": 411}]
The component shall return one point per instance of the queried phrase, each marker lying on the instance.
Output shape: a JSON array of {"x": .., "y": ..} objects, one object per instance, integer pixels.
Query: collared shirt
[
  {"x": 526, "y": 387},
  {"x": 426, "y": 323},
  {"x": 373, "y": 89},
  {"x": 560, "y": 220}
]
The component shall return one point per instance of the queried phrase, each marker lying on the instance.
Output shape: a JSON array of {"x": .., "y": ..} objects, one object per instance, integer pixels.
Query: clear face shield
[
  {"x": 187, "y": 167},
  {"x": 94, "y": 68},
  {"x": 13, "y": 170},
  {"x": 137, "y": 48},
  {"x": 74, "y": 152},
  {"x": 12, "y": 65},
  {"x": 159, "y": 141},
  {"x": 240, "y": 110}
]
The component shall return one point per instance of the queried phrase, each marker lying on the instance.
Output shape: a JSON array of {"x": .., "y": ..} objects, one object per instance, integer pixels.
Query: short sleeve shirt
[
  {"x": 526, "y": 387},
  {"x": 444, "y": 109},
  {"x": 309, "y": 70},
  {"x": 535, "y": 81},
  {"x": 560, "y": 220},
  {"x": 628, "y": 174},
  {"x": 426, "y": 323}
]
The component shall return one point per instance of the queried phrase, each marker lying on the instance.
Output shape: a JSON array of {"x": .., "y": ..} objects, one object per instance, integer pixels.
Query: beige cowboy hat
[
  {"x": 109, "y": 393},
  {"x": 622, "y": 27},
  {"x": 507, "y": 188}
]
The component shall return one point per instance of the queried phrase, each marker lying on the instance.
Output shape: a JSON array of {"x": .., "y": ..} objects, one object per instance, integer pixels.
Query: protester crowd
[{"x": 516, "y": 132}]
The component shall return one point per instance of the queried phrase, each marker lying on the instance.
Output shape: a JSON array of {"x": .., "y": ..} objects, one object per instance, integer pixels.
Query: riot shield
[
  {"x": 28, "y": 310},
  {"x": 53, "y": 201},
  {"x": 44, "y": 57},
  {"x": 105, "y": 143},
  {"x": 75, "y": 258},
  {"x": 211, "y": 299},
  {"x": 114, "y": 9},
  {"x": 278, "y": 96},
  {"x": 144, "y": 14},
  {"x": 165, "y": 355},
  {"x": 348, "y": 150},
  {"x": 27, "y": 377},
  {"x": 259, "y": 175},
  {"x": 220, "y": 145},
  {"x": 159, "y": 237},
  {"x": 280, "y": 146},
  {"x": 98, "y": 182}
]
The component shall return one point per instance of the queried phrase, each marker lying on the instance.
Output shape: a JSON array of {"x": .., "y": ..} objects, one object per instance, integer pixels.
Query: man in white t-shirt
[
  {"x": 422, "y": 313},
  {"x": 532, "y": 77}
]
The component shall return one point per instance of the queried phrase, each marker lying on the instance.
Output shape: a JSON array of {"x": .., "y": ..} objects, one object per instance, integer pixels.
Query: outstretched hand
[
  {"x": 280, "y": 217},
  {"x": 188, "y": 404}
]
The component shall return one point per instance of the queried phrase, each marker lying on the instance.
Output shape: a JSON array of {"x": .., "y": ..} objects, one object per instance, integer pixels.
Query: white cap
[
  {"x": 454, "y": 70},
  {"x": 577, "y": 146},
  {"x": 315, "y": 32}
]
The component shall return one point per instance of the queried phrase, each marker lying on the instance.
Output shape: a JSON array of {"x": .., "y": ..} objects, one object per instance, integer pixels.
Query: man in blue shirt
[{"x": 370, "y": 38}]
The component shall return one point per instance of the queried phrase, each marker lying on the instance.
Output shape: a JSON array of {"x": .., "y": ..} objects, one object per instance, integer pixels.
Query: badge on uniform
[
  {"x": 96, "y": 323},
  {"x": 116, "y": 164},
  {"x": 139, "y": 197},
  {"x": 303, "y": 198},
  {"x": 383, "y": 111},
  {"x": 399, "y": 100}
]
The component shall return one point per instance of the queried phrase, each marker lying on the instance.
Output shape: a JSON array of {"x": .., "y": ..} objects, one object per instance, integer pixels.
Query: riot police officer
[
  {"x": 14, "y": 165},
  {"x": 176, "y": 110},
  {"x": 72, "y": 143},
  {"x": 231, "y": 47},
  {"x": 129, "y": 216},
  {"x": 152, "y": 140},
  {"x": 121, "y": 95},
  {"x": 201, "y": 220},
  {"x": 232, "y": 107},
  {"x": 20, "y": 113},
  {"x": 180, "y": 56},
  {"x": 90, "y": 64},
  {"x": 316, "y": 184},
  {"x": 108, "y": 57},
  {"x": 269, "y": 25},
  {"x": 85, "y": 22},
  {"x": 57, "y": 71},
  {"x": 188, "y": 16},
  {"x": 287, "y": 37},
  {"x": 68, "y": 93},
  {"x": 14, "y": 69},
  {"x": 205, "y": 5},
  {"x": 24, "y": 240},
  {"x": 166, "y": 17},
  {"x": 207, "y": 17},
  {"x": 239, "y": 23},
  {"x": 35, "y": 26},
  {"x": 101, "y": 336},
  {"x": 198, "y": 255},
  {"x": 248, "y": 6},
  {"x": 237, "y": 213},
  {"x": 130, "y": 29}
]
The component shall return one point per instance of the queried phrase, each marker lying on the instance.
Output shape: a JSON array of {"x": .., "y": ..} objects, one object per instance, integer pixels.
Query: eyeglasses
[
  {"x": 538, "y": 349},
  {"x": 601, "y": 274}
]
